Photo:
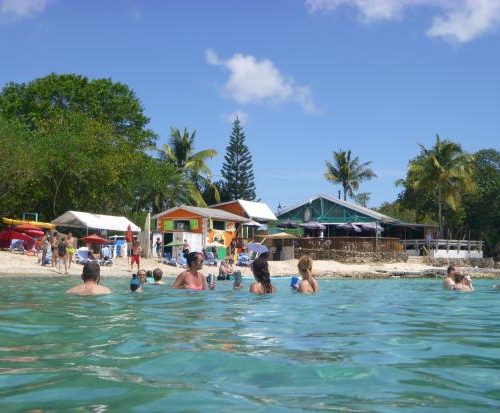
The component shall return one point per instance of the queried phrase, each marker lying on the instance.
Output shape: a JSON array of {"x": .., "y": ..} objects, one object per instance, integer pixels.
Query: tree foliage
[
  {"x": 180, "y": 152},
  {"x": 70, "y": 143},
  {"x": 439, "y": 176},
  {"x": 237, "y": 168},
  {"x": 348, "y": 172}
]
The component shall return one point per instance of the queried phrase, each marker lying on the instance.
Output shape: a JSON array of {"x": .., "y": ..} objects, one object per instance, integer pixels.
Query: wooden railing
[
  {"x": 442, "y": 244},
  {"x": 359, "y": 244}
]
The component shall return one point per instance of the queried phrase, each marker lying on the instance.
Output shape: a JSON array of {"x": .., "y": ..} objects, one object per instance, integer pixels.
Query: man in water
[{"x": 91, "y": 276}]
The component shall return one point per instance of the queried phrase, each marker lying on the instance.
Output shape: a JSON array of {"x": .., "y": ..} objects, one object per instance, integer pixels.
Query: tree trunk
[{"x": 440, "y": 219}]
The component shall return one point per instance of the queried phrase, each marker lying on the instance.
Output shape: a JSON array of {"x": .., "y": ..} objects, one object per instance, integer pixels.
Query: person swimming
[
  {"x": 192, "y": 278},
  {"x": 91, "y": 275},
  {"x": 308, "y": 284},
  {"x": 262, "y": 284}
]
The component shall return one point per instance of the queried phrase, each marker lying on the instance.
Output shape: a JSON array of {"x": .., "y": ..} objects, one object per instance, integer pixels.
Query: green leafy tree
[
  {"x": 102, "y": 100},
  {"x": 348, "y": 172},
  {"x": 180, "y": 152},
  {"x": 445, "y": 169},
  {"x": 237, "y": 168},
  {"x": 482, "y": 206},
  {"x": 362, "y": 198}
]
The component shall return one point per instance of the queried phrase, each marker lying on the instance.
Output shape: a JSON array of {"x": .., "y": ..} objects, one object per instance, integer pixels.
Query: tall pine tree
[{"x": 237, "y": 169}]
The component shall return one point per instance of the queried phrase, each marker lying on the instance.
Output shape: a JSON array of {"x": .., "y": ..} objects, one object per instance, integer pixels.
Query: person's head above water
[
  {"x": 157, "y": 274},
  {"x": 194, "y": 258},
  {"x": 91, "y": 272},
  {"x": 451, "y": 270},
  {"x": 305, "y": 265},
  {"x": 260, "y": 269}
]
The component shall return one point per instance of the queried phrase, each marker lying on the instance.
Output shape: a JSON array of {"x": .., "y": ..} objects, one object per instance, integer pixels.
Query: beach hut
[{"x": 199, "y": 227}]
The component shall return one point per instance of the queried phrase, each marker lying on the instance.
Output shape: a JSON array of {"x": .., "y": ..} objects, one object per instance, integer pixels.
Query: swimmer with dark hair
[
  {"x": 262, "y": 284},
  {"x": 91, "y": 275}
]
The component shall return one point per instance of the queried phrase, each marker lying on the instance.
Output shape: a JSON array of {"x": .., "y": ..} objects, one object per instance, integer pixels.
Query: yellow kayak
[{"x": 10, "y": 221}]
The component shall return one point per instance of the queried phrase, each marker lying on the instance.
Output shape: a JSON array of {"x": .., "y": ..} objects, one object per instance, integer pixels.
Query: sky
[{"x": 305, "y": 77}]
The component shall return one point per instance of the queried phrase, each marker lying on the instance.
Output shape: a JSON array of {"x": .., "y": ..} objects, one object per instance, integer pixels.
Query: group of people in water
[{"x": 193, "y": 278}]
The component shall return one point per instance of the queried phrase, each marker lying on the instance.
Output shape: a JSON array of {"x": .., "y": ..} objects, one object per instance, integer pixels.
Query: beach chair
[
  {"x": 17, "y": 245},
  {"x": 106, "y": 256},
  {"x": 209, "y": 258},
  {"x": 244, "y": 260},
  {"x": 181, "y": 260},
  {"x": 83, "y": 256}
]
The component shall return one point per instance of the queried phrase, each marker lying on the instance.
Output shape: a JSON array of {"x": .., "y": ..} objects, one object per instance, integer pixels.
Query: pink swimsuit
[{"x": 194, "y": 287}]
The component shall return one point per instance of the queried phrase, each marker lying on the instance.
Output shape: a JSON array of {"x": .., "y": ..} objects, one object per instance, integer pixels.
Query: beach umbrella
[
  {"x": 94, "y": 239},
  {"x": 255, "y": 247},
  {"x": 313, "y": 225},
  {"x": 174, "y": 243},
  {"x": 287, "y": 224},
  {"x": 372, "y": 226},
  {"x": 29, "y": 229},
  {"x": 281, "y": 235},
  {"x": 349, "y": 226},
  {"x": 129, "y": 237},
  {"x": 7, "y": 236}
]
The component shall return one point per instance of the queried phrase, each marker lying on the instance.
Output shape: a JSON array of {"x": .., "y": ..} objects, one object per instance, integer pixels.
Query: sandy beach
[{"x": 14, "y": 264}]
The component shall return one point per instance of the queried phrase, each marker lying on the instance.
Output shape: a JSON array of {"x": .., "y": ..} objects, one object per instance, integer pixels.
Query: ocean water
[{"x": 358, "y": 346}]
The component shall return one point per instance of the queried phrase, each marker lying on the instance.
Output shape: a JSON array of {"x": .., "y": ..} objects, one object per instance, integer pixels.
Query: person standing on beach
[
  {"x": 54, "y": 242},
  {"x": 136, "y": 255},
  {"x": 62, "y": 253},
  {"x": 91, "y": 275},
  {"x": 70, "y": 249},
  {"x": 44, "y": 244},
  {"x": 308, "y": 284},
  {"x": 262, "y": 284},
  {"x": 185, "y": 248},
  {"x": 158, "y": 248},
  {"x": 192, "y": 278}
]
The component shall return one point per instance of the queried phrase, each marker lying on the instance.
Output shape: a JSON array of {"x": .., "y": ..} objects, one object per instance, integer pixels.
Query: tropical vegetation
[{"x": 348, "y": 171}]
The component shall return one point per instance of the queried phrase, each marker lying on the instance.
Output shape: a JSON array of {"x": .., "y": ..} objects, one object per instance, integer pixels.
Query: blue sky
[{"x": 377, "y": 77}]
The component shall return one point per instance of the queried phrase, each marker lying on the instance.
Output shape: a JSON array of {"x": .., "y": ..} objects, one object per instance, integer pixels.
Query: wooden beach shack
[
  {"x": 258, "y": 213},
  {"x": 198, "y": 226},
  {"x": 327, "y": 222}
]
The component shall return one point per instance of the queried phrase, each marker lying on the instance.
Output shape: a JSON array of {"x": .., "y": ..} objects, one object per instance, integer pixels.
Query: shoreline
[{"x": 19, "y": 265}]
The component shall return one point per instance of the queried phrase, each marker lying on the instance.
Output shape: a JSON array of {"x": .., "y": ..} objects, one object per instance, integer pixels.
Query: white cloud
[
  {"x": 231, "y": 117},
  {"x": 473, "y": 19},
  {"x": 369, "y": 9},
  {"x": 253, "y": 80},
  {"x": 20, "y": 9},
  {"x": 463, "y": 20}
]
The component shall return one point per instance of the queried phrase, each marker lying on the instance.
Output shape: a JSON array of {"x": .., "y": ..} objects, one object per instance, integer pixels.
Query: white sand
[{"x": 23, "y": 265}]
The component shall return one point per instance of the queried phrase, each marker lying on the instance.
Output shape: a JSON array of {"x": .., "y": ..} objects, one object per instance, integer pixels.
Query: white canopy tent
[{"x": 77, "y": 219}]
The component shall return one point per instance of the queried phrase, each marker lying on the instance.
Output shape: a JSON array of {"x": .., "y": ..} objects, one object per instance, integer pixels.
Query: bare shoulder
[{"x": 255, "y": 288}]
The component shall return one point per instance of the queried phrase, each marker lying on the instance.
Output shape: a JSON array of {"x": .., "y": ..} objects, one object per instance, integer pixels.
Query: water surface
[{"x": 358, "y": 346}]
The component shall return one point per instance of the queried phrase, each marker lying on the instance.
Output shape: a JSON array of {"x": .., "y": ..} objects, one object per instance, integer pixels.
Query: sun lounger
[{"x": 83, "y": 256}]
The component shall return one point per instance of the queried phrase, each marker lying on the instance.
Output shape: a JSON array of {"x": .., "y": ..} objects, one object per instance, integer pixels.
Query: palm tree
[
  {"x": 180, "y": 152},
  {"x": 444, "y": 168},
  {"x": 348, "y": 172}
]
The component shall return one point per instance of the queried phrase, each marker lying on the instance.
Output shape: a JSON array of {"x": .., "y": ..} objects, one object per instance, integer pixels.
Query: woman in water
[
  {"x": 192, "y": 278},
  {"x": 455, "y": 280},
  {"x": 308, "y": 285},
  {"x": 262, "y": 284}
]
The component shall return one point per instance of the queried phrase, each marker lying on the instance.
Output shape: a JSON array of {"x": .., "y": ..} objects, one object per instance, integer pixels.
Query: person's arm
[
  {"x": 449, "y": 284},
  {"x": 179, "y": 281}
]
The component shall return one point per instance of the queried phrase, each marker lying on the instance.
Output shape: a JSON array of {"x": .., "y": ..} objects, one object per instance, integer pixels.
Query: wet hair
[
  {"x": 260, "y": 268},
  {"x": 157, "y": 274},
  {"x": 91, "y": 271},
  {"x": 149, "y": 274},
  {"x": 192, "y": 257},
  {"x": 305, "y": 268},
  {"x": 451, "y": 268}
]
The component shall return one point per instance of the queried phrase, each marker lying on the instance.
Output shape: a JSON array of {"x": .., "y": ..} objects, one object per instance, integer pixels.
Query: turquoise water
[{"x": 358, "y": 346}]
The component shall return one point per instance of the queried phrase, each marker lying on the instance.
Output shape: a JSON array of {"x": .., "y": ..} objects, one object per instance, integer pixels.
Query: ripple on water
[{"x": 381, "y": 345}]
